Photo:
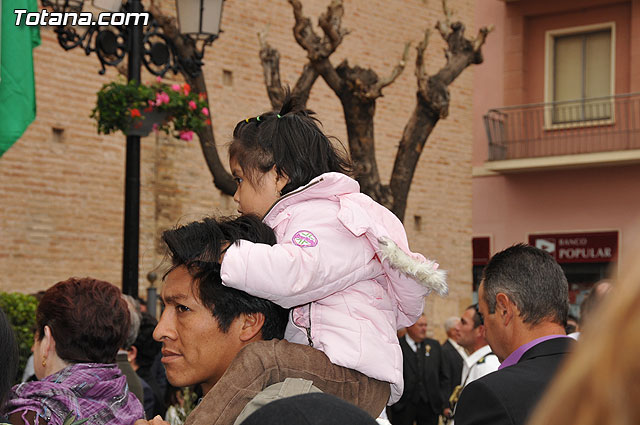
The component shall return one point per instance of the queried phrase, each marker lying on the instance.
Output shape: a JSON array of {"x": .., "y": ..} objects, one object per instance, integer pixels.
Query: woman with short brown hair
[{"x": 80, "y": 325}]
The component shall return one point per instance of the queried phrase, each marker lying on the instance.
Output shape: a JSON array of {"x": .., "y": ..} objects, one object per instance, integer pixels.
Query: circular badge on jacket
[{"x": 304, "y": 239}]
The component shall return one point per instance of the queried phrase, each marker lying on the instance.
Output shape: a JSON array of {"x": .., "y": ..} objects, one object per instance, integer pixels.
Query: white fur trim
[{"x": 425, "y": 273}]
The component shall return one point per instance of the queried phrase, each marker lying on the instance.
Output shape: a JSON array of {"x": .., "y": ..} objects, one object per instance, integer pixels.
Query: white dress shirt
[{"x": 479, "y": 363}]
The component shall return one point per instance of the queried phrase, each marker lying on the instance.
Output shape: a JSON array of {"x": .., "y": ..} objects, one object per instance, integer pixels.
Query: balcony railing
[{"x": 564, "y": 128}]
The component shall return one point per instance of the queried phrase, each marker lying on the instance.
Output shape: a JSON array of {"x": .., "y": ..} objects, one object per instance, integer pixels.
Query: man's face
[
  {"x": 418, "y": 331},
  {"x": 194, "y": 349},
  {"x": 467, "y": 333},
  {"x": 492, "y": 326}
]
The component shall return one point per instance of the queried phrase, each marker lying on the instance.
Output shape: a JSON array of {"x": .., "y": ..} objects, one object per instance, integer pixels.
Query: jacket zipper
[
  {"x": 295, "y": 192},
  {"x": 309, "y": 328}
]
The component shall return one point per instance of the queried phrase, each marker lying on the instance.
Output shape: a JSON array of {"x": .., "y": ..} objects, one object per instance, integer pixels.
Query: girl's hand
[{"x": 155, "y": 421}]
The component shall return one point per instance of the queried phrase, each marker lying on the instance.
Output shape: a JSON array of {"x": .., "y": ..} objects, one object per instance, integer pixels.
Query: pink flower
[
  {"x": 186, "y": 135},
  {"x": 175, "y": 87},
  {"x": 205, "y": 111},
  {"x": 155, "y": 127},
  {"x": 192, "y": 105},
  {"x": 161, "y": 98},
  {"x": 159, "y": 79}
]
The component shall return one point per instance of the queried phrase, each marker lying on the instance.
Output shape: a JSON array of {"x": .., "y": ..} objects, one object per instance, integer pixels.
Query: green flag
[{"x": 17, "y": 82}]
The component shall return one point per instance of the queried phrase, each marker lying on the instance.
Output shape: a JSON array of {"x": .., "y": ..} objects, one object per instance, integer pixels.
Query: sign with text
[{"x": 595, "y": 247}]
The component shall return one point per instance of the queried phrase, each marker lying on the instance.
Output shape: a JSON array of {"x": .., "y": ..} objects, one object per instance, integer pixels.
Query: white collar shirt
[
  {"x": 412, "y": 344},
  {"x": 478, "y": 364}
]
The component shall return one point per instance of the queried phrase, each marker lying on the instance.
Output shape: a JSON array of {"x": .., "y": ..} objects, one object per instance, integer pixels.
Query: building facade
[
  {"x": 61, "y": 184},
  {"x": 556, "y": 151}
]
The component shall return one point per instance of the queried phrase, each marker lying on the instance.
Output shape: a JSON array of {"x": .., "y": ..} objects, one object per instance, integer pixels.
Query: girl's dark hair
[
  {"x": 8, "y": 358},
  {"x": 292, "y": 141}
]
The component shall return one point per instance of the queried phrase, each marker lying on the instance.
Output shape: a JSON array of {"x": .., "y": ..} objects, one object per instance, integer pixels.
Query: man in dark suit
[
  {"x": 422, "y": 362},
  {"x": 452, "y": 358},
  {"x": 523, "y": 298}
]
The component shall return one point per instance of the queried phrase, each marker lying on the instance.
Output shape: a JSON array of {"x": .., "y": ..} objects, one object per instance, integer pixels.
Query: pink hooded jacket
[{"x": 331, "y": 264}]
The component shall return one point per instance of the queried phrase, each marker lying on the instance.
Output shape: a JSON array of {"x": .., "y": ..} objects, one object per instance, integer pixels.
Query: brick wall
[{"x": 61, "y": 195}]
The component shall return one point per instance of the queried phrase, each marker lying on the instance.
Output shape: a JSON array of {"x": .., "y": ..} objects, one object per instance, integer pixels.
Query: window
[{"x": 580, "y": 74}]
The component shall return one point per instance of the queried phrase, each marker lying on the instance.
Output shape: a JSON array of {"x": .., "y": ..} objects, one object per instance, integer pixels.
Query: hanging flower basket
[
  {"x": 138, "y": 109},
  {"x": 150, "y": 121}
]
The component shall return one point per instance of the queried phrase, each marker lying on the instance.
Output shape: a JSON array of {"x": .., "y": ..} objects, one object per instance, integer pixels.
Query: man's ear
[
  {"x": 482, "y": 331},
  {"x": 132, "y": 354},
  {"x": 505, "y": 308},
  {"x": 251, "y": 326}
]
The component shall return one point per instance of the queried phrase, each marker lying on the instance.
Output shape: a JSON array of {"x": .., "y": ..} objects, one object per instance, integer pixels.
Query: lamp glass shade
[
  {"x": 110, "y": 5},
  {"x": 199, "y": 18},
  {"x": 63, "y": 6}
]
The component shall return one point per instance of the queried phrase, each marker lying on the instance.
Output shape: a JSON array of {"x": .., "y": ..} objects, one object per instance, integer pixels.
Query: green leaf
[{"x": 21, "y": 312}]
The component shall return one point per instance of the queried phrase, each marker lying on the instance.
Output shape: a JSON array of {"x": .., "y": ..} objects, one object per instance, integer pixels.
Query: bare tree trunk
[
  {"x": 422, "y": 121},
  {"x": 221, "y": 178},
  {"x": 432, "y": 102},
  {"x": 186, "y": 50},
  {"x": 358, "y": 89}
]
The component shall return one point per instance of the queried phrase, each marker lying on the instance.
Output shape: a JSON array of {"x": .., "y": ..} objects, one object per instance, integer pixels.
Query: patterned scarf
[{"x": 83, "y": 393}]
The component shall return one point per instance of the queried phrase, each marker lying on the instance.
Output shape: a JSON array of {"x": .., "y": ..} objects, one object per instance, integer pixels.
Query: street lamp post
[
  {"x": 199, "y": 21},
  {"x": 131, "y": 237}
]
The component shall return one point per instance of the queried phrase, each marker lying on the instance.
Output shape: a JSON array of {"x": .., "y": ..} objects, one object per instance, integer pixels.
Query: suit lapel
[{"x": 409, "y": 355}]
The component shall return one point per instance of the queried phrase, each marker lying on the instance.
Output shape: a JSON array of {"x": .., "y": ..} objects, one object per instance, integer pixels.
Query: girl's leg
[{"x": 264, "y": 363}]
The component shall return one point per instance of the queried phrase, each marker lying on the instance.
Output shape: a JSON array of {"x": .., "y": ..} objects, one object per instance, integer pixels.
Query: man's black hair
[
  {"x": 532, "y": 279},
  {"x": 292, "y": 141},
  {"x": 147, "y": 347},
  {"x": 199, "y": 245},
  {"x": 477, "y": 316}
]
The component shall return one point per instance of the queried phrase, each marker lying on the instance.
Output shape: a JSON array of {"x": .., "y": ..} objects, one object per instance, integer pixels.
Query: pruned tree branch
[
  {"x": 305, "y": 35},
  {"x": 481, "y": 38},
  {"x": 331, "y": 24},
  {"x": 186, "y": 49},
  {"x": 444, "y": 26},
  {"x": 305, "y": 82},
  {"x": 270, "y": 59},
  {"x": 376, "y": 90},
  {"x": 433, "y": 100},
  {"x": 421, "y": 73},
  {"x": 319, "y": 50}
]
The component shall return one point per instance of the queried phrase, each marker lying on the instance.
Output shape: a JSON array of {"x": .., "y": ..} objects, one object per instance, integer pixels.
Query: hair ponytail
[{"x": 292, "y": 141}]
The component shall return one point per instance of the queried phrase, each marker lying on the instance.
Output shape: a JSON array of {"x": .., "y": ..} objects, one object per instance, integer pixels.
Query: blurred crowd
[{"x": 515, "y": 357}]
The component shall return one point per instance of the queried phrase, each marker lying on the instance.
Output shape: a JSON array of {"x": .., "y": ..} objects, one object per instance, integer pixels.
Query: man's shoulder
[
  {"x": 534, "y": 371},
  {"x": 510, "y": 393},
  {"x": 431, "y": 341},
  {"x": 480, "y": 404},
  {"x": 447, "y": 345}
]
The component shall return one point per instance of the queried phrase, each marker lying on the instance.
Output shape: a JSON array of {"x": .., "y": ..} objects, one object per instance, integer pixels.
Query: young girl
[{"x": 342, "y": 262}]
